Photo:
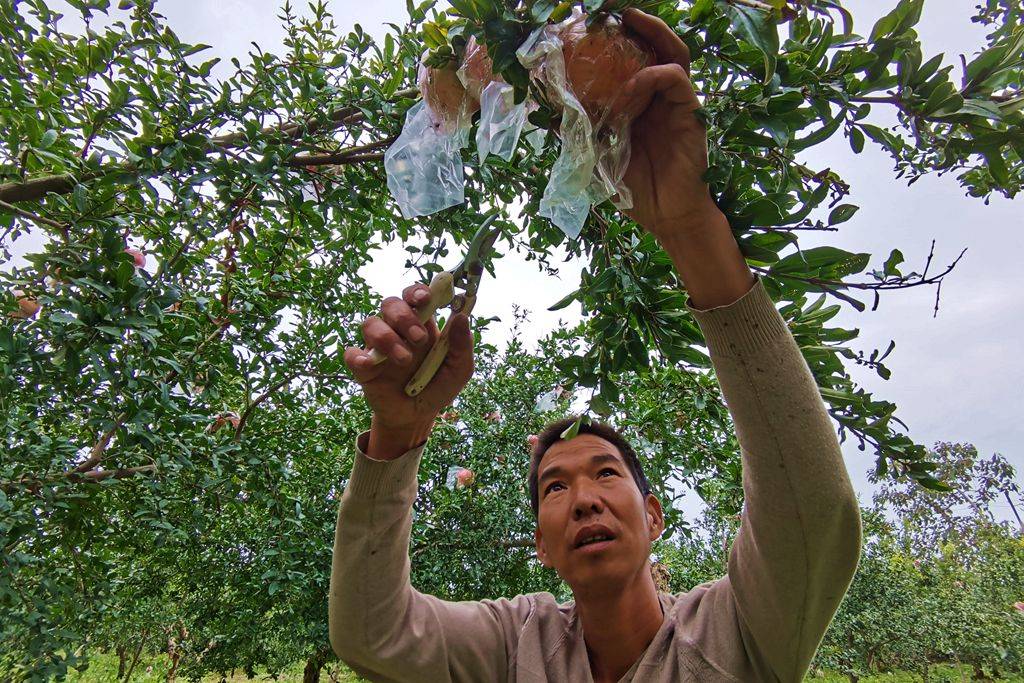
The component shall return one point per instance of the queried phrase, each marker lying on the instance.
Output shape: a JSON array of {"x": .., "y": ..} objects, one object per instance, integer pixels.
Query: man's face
[{"x": 585, "y": 482}]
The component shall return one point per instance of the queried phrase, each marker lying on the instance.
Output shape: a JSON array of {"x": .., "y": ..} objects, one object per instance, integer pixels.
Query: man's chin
[{"x": 596, "y": 578}]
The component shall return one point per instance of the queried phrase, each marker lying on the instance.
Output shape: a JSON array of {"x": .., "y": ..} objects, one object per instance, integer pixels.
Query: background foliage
[{"x": 176, "y": 436}]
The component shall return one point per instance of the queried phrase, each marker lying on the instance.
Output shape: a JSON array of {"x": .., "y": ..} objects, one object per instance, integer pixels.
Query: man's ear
[
  {"x": 655, "y": 517},
  {"x": 541, "y": 553}
]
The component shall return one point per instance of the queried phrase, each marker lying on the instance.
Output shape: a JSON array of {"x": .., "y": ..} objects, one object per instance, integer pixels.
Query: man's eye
[
  {"x": 608, "y": 469},
  {"x": 551, "y": 486}
]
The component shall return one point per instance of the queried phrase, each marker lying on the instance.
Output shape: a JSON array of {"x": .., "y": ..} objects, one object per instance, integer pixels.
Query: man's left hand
[{"x": 669, "y": 153}]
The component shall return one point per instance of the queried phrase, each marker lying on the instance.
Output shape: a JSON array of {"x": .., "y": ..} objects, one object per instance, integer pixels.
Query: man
[{"x": 798, "y": 544}]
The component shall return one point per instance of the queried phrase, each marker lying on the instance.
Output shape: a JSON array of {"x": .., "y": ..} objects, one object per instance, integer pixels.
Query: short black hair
[{"x": 553, "y": 433}]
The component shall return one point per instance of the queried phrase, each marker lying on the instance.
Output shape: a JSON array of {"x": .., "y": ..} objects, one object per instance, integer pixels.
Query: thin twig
[
  {"x": 334, "y": 159},
  {"x": 753, "y": 3},
  {"x": 91, "y": 477}
]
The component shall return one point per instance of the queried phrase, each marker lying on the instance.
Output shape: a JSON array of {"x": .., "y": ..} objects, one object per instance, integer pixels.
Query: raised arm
[
  {"x": 799, "y": 541},
  {"x": 379, "y": 624}
]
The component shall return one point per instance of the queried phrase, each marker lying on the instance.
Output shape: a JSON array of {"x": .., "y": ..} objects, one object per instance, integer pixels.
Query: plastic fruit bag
[
  {"x": 424, "y": 165},
  {"x": 459, "y": 477},
  {"x": 594, "y": 154},
  {"x": 501, "y": 121}
]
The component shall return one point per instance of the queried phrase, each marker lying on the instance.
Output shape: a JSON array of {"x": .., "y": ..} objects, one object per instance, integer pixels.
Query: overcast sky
[{"x": 955, "y": 377}]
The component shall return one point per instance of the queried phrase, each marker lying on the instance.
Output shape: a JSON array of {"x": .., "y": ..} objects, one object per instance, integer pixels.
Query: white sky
[{"x": 955, "y": 377}]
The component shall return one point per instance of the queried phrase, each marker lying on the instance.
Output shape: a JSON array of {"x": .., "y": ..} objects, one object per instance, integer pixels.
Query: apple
[
  {"x": 464, "y": 478},
  {"x": 1019, "y": 606},
  {"x": 532, "y": 440},
  {"x": 140, "y": 258},
  {"x": 444, "y": 94},
  {"x": 599, "y": 61},
  {"x": 477, "y": 71},
  {"x": 28, "y": 306}
]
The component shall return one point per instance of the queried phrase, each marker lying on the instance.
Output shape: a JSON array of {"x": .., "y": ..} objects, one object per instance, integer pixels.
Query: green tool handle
[{"x": 433, "y": 361}]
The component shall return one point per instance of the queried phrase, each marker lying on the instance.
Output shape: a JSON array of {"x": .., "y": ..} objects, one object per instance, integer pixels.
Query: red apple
[
  {"x": 477, "y": 69},
  {"x": 445, "y": 95},
  {"x": 1019, "y": 606},
  {"x": 599, "y": 60},
  {"x": 464, "y": 478},
  {"x": 28, "y": 306},
  {"x": 140, "y": 258}
]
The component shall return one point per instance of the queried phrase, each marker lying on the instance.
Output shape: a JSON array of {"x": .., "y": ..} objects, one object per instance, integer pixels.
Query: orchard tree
[{"x": 192, "y": 255}]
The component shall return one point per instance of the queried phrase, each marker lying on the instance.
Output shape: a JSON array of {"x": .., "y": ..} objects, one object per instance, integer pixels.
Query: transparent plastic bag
[
  {"x": 593, "y": 159},
  {"x": 501, "y": 121},
  {"x": 459, "y": 477},
  {"x": 424, "y": 165},
  {"x": 546, "y": 401}
]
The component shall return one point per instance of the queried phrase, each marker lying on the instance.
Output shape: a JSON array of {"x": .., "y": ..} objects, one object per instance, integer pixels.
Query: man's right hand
[{"x": 401, "y": 422}]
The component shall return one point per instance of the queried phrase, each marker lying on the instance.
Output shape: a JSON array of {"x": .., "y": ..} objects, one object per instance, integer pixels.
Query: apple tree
[{"x": 182, "y": 243}]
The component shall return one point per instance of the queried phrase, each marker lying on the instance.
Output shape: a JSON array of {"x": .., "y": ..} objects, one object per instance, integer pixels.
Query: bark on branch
[
  {"x": 90, "y": 477},
  {"x": 37, "y": 188}
]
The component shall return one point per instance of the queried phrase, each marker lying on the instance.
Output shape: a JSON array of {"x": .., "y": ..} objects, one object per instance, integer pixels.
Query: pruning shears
[{"x": 466, "y": 277}]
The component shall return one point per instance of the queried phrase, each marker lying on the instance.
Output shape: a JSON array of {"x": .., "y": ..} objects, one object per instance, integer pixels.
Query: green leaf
[
  {"x": 856, "y": 140},
  {"x": 906, "y": 14},
  {"x": 815, "y": 259},
  {"x": 982, "y": 108},
  {"x": 605, "y": 282},
  {"x": 701, "y": 9},
  {"x": 933, "y": 484},
  {"x": 820, "y": 135},
  {"x": 821, "y": 47},
  {"x": 572, "y": 430},
  {"x": 758, "y": 28},
  {"x": 80, "y": 197},
  {"x": 565, "y": 301},
  {"x": 892, "y": 263},
  {"x": 541, "y": 10},
  {"x": 842, "y": 213}
]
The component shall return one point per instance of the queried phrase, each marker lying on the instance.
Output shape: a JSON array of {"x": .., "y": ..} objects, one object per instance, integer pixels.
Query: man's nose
[{"x": 587, "y": 501}]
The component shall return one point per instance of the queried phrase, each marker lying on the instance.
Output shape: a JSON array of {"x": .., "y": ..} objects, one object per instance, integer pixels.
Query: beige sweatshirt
[{"x": 789, "y": 568}]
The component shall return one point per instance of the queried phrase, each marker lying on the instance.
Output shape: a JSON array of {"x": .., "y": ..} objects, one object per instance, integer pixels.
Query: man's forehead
[{"x": 581, "y": 450}]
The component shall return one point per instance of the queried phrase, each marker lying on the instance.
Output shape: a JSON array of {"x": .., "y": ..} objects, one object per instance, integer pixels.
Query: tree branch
[
  {"x": 33, "y": 217},
  {"x": 37, "y": 188},
  {"x": 339, "y": 157},
  {"x": 764, "y": 7},
  {"x": 91, "y": 477}
]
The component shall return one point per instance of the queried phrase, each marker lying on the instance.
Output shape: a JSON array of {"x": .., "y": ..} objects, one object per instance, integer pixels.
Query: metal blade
[{"x": 467, "y": 274}]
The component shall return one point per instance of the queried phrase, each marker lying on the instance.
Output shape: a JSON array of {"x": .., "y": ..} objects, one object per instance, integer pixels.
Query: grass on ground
[{"x": 103, "y": 669}]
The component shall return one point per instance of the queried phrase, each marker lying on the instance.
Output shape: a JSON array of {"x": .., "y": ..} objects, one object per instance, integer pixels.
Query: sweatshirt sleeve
[
  {"x": 800, "y": 536},
  {"x": 382, "y": 627}
]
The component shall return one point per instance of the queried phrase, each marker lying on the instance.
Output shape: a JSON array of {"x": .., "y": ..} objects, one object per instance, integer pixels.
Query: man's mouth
[{"x": 595, "y": 543}]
